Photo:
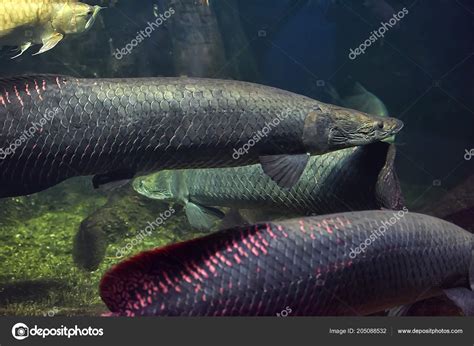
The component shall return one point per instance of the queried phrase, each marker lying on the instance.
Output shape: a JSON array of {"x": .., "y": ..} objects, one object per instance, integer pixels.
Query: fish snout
[{"x": 388, "y": 126}]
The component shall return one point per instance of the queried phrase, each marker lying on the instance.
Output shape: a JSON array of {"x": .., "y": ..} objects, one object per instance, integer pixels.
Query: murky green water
[{"x": 420, "y": 71}]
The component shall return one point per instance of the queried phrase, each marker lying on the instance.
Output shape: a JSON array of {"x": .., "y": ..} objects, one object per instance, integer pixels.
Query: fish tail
[
  {"x": 164, "y": 280},
  {"x": 388, "y": 190}
]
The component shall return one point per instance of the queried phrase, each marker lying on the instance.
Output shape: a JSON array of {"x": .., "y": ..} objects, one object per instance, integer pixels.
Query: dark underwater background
[{"x": 422, "y": 70}]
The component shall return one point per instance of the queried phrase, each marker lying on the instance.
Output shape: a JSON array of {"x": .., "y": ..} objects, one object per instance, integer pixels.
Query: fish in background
[
  {"x": 359, "y": 178},
  {"x": 315, "y": 265},
  {"x": 24, "y": 23},
  {"x": 359, "y": 98},
  {"x": 116, "y": 129},
  {"x": 365, "y": 101}
]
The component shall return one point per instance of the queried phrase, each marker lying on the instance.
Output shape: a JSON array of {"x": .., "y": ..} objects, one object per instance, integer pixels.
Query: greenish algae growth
[{"x": 38, "y": 275}]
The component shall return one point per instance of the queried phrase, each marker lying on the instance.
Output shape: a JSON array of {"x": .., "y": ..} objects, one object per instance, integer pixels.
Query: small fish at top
[{"x": 24, "y": 23}]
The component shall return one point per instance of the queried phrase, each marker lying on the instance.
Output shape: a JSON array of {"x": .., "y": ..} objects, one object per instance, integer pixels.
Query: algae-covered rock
[{"x": 122, "y": 215}]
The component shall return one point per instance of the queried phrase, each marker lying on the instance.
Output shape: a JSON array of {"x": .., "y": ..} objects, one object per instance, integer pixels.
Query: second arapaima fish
[
  {"x": 360, "y": 178},
  {"x": 56, "y": 127},
  {"x": 355, "y": 263}
]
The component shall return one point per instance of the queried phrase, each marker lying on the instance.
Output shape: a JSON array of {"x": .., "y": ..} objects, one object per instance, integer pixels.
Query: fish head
[
  {"x": 332, "y": 128},
  {"x": 156, "y": 186},
  {"x": 75, "y": 17}
]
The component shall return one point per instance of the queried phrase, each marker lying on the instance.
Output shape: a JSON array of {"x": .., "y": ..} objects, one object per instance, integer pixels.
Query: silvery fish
[{"x": 359, "y": 178}]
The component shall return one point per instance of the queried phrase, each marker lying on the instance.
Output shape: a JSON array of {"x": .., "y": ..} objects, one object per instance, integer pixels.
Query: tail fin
[
  {"x": 388, "y": 190},
  {"x": 120, "y": 285},
  {"x": 173, "y": 279}
]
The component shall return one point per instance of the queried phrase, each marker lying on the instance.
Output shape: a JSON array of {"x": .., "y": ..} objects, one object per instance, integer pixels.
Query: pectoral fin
[
  {"x": 463, "y": 298},
  {"x": 50, "y": 42},
  {"x": 285, "y": 170},
  {"x": 201, "y": 217},
  {"x": 23, "y": 48}
]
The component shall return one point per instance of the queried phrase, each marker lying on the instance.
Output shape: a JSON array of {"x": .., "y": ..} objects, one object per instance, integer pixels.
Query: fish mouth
[
  {"x": 396, "y": 127},
  {"x": 157, "y": 187},
  {"x": 93, "y": 17},
  {"x": 341, "y": 137}
]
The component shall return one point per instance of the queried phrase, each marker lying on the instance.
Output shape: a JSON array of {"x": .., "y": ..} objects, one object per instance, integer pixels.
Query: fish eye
[{"x": 379, "y": 124}]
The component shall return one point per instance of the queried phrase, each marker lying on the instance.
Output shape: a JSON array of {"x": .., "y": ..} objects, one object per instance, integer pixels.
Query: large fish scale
[
  {"x": 304, "y": 264},
  {"x": 138, "y": 125},
  {"x": 17, "y": 13}
]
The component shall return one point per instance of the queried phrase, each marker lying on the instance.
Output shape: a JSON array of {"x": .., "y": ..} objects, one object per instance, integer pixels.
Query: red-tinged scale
[{"x": 315, "y": 268}]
